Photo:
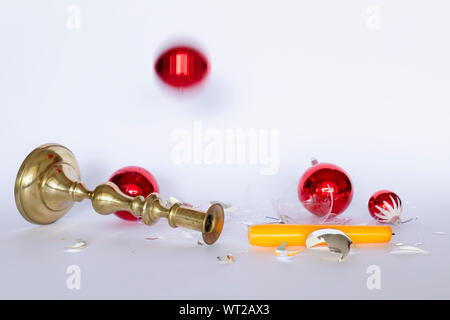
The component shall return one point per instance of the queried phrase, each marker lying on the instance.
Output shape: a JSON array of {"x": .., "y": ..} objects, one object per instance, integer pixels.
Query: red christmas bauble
[
  {"x": 133, "y": 181},
  {"x": 385, "y": 206},
  {"x": 325, "y": 188},
  {"x": 182, "y": 67}
]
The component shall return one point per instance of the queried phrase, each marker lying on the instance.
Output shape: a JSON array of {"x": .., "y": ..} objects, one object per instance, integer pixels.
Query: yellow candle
[{"x": 273, "y": 235}]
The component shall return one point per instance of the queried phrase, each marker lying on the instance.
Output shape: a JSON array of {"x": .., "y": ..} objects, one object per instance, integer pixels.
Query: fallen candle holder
[{"x": 48, "y": 184}]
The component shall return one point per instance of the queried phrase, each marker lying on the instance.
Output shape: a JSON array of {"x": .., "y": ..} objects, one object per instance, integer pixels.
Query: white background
[{"x": 373, "y": 99}]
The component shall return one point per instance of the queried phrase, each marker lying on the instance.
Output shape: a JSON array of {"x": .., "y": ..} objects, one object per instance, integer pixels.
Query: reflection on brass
[{"x": 48, "y": 184}]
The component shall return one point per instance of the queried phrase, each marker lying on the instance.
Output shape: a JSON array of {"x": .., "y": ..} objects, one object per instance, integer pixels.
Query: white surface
[{"x": 374, "y": 102}]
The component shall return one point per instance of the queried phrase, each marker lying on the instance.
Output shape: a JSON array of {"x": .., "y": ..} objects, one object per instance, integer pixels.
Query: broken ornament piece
[
  {"x": 227, "y": 207},
  {"x": 282, "y": 252},
  {"x": 407, "y": 250},
  {"x": 77, "y": 246},
  {"x": 337, "y": 241},
  {"x": 229, "y": 258},
  {"x": 154, "y": 238}
]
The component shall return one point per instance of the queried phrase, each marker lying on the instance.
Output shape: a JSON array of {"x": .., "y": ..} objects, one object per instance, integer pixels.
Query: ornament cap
[{"x": 314, "y": 161}]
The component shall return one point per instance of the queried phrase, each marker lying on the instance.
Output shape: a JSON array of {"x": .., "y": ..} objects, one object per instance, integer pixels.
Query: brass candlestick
[{"x": 48, "y": 184}]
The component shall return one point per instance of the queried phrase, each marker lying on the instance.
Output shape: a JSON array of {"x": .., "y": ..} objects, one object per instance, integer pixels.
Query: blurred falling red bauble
[
  {"x": 182, "y": 67},
  {"x": 385, "y": 206},
  {"x": 323, "y": 187},
  {"x": 133, "y": 181}
]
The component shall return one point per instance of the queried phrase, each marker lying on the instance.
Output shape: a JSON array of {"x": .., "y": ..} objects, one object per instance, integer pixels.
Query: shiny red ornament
[
  {"x": 182, "y": 67},
  {"x": 385, "y": 206},
  {"x": 133, "y": 181},
  {"x": 325, "y": 188}
]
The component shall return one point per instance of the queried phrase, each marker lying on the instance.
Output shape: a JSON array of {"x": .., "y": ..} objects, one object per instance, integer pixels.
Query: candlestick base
[{"x": 37, "y": 196}]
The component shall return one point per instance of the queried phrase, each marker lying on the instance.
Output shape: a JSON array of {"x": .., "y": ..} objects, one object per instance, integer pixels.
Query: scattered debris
[
  {"x": 407, "y": 250},
  {"x": 282, "y": 219},
  {"x": 226, "y": 206},
  {"x": 229, "y": 258},
  {"x": 282, "y": 252},
  {"x": 172, "y": 200},
  {"x": 79, "y": 244},
  {"x": 247, "y": 222},
  {"x": 154, "y": 238},
  {"x": 199, "y": 243},
  {"x": 337, "y": 220},
  {"x": 276, "y": 220},
  {"x": 409, "y": 220},
  {"x": 337, "y": 241},
  {"x": 188, "y": 235}
]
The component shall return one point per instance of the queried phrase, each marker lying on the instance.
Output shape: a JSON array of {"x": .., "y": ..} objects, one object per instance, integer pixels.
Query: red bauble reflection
[
  {"x": 385, "y": 206},
  {"x": 323, "y": 187},
  {"x": 182, "y": 67},
  {"x": 133, "y": 181}
]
